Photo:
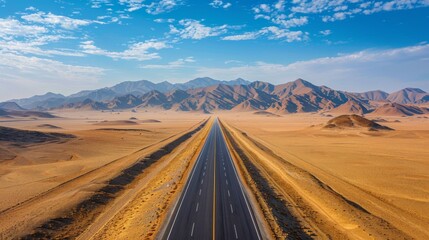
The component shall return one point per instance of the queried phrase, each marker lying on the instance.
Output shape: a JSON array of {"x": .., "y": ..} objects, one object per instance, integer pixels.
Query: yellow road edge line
[{"x": 214, "y": 191}]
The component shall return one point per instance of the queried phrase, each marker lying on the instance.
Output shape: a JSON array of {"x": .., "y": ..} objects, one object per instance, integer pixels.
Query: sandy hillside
[{"x": 385, "y": 172}]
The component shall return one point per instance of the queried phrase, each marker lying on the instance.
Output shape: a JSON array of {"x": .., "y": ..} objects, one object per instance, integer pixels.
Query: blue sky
[{"x": 355, "y": 45}]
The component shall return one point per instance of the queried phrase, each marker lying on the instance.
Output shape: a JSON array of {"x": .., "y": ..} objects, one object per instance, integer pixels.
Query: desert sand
[
  {"x": 39, "y": 181},
  {"x": 331, "y": 182},
  {"x": 351, "y": 183}
]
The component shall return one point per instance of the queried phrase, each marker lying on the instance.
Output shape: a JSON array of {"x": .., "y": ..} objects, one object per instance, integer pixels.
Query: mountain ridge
[{"x": 207, "y": 95}]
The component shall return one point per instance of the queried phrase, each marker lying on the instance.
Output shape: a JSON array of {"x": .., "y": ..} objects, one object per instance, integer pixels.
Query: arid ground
[
  {"x": 304, "y": 179},
  {"x": 350, "y": 183},
  {"x": 42, "y": 180}
]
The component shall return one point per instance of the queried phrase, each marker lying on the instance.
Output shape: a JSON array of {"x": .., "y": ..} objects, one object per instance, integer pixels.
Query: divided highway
[{"x": 213, "y": 204}]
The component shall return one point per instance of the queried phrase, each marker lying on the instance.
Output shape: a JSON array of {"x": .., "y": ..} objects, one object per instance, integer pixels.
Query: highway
[{"x": 213, "y": 204}]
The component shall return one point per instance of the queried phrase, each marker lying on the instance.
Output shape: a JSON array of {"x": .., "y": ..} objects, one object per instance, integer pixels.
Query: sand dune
[
  {"x": 117, "y": 122},
  {"x": 265, "y": 113},
  {"x": 354, "y": 121},
  {"x": 48, "y": 126},
  {"x": 150, "y": 121},
  {"x": 24, "y": 137}
]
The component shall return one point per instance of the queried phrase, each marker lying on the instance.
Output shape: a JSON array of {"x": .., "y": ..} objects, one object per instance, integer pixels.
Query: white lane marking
[
  {"x": 192, "y": 231},
  {"x": 199, "y": 192},
  {"x": 224, "y": 168},
  {"x": 232, "y": 210},
  {"x": 229, "y": 195},
  {"x": 188, "y": 183},
  {"x": 202, "y": 180},
  {"x": 235, "y": 230},
  {"x": 204, "y": 167},
  {"x": 204, "y": 173},
  {"x": 226, "y": 182},
  {"x": 225, "y": 174},
  {"x": 196, "y": 209},
  {"x": 242, "y": 191}
]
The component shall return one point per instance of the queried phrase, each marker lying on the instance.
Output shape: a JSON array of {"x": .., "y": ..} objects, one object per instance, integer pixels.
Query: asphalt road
[{"x": 213, "y": 204}]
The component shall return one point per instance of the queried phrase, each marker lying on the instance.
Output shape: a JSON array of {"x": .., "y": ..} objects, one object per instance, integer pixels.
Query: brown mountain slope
[
  {"x": 302, "y": 96},
  {"x": 376, "y": 95},
  {"x": 351, "y": 107},
  {"x": 396, "y": 109},
  {"x": 408, "y": 95}
]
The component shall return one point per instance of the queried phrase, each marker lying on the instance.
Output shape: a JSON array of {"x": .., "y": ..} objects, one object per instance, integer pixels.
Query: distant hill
[
  {"x": 302, "y": 96},
  {"x": 408, "y": 95},
  {"x": 397, "y": 109},
  {"x": 136, "y": 88},
  {"x": 39, "y": 100},
  {"x": 376, "y": 95},
  {"x": 10, "y": 106},
  {"x": 351, "y": 107},
  {"x": 296, "y": 96},
  {"x": 25, "y": 114},
  {"x": 208, "y": 95}
]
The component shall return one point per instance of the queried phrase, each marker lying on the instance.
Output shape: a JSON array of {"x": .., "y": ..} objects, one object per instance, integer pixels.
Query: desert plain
[{"x": 333, "y": 183}]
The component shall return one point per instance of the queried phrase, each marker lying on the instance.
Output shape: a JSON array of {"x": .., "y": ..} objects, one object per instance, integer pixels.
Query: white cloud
[
  {"x": 157, "y": 7},
  {"x": 335, "y": 10},
  {"x": 132, "y": 5},
  {"x": 179, "y": 63},
  {"x": 34, "y": 47},
  {"x": 32, "y": 75},
  {"x": 244, "y": 36},
  {"x": 99, "y": 3},
  {"x": 271, "y": 32},
  {"x": 140, "y": 51},
  {"x": 291, "y": 22},
  {"x": 276, "y": 14},
  {"x": 220, "y": 4},
  {"x": 365, "y": 70},
  {"x": 280, "y": 5},
  {"x": 52, "y": 19},
  {"x": 164, "y": 20},
  {"x": 10, "y": 28},
  {"x": 326, "y": 32},
  {"x": 193, "y": 29},
  {"x": 19, "y": 38}
]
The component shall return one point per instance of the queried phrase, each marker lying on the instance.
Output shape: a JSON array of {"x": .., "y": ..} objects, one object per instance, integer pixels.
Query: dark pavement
[{"x": 213, "y": 204}]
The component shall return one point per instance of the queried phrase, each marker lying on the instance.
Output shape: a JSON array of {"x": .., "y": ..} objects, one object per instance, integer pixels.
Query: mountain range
[
  {"x": 136, "y": 88},
  {"x": 207, "y": 95}
]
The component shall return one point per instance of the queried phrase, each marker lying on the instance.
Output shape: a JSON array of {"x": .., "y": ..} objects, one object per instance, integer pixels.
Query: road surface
[{"x": 213, "y": 204}]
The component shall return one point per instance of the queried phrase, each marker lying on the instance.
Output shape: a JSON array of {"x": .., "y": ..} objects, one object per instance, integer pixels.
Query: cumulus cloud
[
  {"x": 20, "y": 38},
  {"x": 271, "y": 32},
  {"x": 220, "y": 4},
  {"x": 33, "y": 75},
  {"x": 326, "y": 32},
  {"x": 335, "y": 10},
  {"x": 140, "y": 51},
  {"x": 194, "y": 29},
  {"x": 52, "y": 19},
  {"x": 360, "y": 71},
  {"x": 179, "y": 63},
  {"x": 10, "y": 28},
  {"x": 276, "y": 13},
  {"x": 154, "y": 7},
  {"x": 164, "y": 20},
  {"x": 162, "y": 6}
]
